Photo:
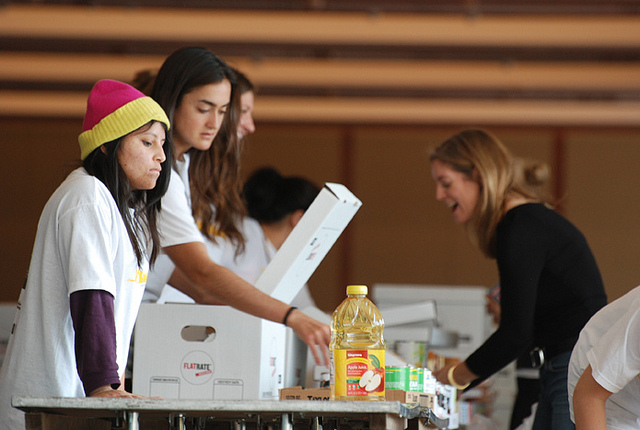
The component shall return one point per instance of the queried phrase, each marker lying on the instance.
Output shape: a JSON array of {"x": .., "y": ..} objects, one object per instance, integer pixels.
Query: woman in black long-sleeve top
[{"x": 550, "y": 282}]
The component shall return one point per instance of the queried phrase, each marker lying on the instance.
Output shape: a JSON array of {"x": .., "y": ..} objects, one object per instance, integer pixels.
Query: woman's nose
[
  {"x": 250, "y": 125},
  {"x": 160, "y": 155},
  {"x": 215, "y": 121}
]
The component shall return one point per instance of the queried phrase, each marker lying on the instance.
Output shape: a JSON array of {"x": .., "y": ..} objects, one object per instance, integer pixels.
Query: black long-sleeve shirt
[{"x": 550, "y": 286}]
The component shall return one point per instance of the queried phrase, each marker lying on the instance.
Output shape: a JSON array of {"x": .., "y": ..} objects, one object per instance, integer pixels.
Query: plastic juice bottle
[{"x": 357, "y": 348}]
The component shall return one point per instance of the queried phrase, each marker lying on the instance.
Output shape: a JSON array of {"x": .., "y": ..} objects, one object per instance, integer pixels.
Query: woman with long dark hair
[
  {"x": 95, "y": 239},
  {"x": 198, "y": 91}
]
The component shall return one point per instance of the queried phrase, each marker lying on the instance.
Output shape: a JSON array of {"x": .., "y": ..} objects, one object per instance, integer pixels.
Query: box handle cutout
[{"x": 198, "y": 333}]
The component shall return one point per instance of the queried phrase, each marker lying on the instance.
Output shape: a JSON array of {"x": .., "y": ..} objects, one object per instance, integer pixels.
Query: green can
[
  {"x": 396, "y": 378},
  {"x": 416, "y": 379}
]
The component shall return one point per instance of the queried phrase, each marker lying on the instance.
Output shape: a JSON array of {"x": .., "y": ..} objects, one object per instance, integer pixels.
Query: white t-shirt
[
  {"x": 610, "y": 343},
  {"x": 251, "y": 263},
  {"x": 259, "y": 251},
  {"x": 248, "y": 265},
  {"x": 81, "y": 244},
  {"x": 176, "y": 226}
]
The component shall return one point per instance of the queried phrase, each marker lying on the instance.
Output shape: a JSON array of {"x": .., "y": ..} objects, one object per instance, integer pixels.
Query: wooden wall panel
[
  {"x": 604, "y": 201},
  {"x": 37, "y": 156}
]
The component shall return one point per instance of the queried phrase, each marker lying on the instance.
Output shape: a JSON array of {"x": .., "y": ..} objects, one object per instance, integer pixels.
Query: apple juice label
[{"x": 359, "y": 373}]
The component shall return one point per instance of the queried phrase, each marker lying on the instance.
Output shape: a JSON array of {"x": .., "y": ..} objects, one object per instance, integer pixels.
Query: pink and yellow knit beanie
[{"x": 115, "y": 109}]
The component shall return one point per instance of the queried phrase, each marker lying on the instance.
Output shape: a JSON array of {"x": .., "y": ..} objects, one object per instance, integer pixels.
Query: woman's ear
[
  {"x": 103, "y": 149},
  {"x": 295, "y": 217}
]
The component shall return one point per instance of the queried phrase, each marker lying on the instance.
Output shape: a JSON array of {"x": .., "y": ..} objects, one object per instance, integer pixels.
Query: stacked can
[
  {"x": 416, "y": 379},
  {"x": 409, "y": 378},
  {"x": 396, "y": 378}
]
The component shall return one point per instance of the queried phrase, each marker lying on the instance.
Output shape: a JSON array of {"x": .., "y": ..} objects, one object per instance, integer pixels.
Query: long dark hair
[
  {"x": 216, "y": 200},
  {"x": 142, "y": 224}
]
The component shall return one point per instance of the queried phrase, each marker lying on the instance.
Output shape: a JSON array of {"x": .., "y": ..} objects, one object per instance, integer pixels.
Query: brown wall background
[{"x": 401, "y": 234}]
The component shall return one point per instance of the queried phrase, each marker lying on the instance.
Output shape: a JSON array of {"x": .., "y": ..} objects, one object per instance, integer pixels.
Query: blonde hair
[{"x": 483, "y": 158}]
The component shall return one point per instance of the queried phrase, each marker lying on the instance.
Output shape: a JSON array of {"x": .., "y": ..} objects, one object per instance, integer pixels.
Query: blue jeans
[{"x": 553, "y": 407}]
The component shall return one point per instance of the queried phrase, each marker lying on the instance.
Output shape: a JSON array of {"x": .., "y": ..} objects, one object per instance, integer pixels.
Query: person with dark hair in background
[
  {"x": 549, "y": 280},
  {"x": 278, "y": 203},
  {"x": 96, "y": 237}
]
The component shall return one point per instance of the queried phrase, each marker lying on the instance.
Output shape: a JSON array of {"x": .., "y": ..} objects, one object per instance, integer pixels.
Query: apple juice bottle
[{"x": 357, "y": 348}]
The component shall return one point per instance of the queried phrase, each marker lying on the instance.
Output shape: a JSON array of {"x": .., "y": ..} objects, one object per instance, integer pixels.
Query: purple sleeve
[{"x": 95, "y": 338}]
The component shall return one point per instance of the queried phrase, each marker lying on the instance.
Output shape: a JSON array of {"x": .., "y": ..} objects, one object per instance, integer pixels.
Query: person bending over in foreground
[{"x": 604, "y": 371}]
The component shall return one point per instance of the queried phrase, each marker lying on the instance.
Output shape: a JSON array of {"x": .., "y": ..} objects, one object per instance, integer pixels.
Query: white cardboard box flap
[{"x": 309, "y": 242}]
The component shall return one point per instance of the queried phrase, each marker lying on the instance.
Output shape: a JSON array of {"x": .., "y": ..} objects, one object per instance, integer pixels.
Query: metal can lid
[{"x": 357, "y": 290}]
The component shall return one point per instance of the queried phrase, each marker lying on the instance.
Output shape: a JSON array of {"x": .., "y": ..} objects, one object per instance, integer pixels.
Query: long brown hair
[
  {"x": 214, "y": 177},
  {"x": 483, "y": 158},
  {"x": 216, "y": 200}
]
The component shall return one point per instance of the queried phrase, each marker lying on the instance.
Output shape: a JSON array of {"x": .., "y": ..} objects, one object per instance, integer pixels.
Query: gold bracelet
[{"x": 452, "y": 381}]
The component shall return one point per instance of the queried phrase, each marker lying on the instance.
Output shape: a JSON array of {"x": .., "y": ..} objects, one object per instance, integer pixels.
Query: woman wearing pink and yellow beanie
[{"x": 95, "y": 239}]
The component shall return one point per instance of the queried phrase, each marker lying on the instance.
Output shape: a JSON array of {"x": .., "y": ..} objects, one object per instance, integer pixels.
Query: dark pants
[
  {"x": 528, "y": 394},
  {"x": 553, "y": 407}
]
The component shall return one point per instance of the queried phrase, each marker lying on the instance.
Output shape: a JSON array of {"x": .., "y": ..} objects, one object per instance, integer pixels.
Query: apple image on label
[{"x": 370, "y": 380}]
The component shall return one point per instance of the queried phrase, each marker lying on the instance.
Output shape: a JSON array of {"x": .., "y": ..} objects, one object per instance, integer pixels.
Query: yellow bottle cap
[{"x": 357, "y": 290}]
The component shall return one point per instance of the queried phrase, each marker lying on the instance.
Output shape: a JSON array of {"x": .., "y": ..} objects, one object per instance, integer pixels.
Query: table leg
[
  {"x": 180, "y": 422},
  {"x": 287, "y": 422},
  {"x": 132, "y": 420},
  {"x": 316, "y": 424}
]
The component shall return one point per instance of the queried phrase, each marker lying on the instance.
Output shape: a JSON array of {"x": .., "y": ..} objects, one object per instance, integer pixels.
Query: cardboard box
[
  {"x": 189, "y": 351},
  {"x": 411, "y": 397},
  {"x": 234, "y": 355},
  {"x": 299, "y": 393}
]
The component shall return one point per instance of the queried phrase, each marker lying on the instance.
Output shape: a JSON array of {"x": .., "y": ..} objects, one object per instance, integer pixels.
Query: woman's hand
[
  {"x": 455, "y": 374},
  {"x": 312, "y": 332},
  {"x": 493, "y": 308},
  {"x": 107, "y": 392}
]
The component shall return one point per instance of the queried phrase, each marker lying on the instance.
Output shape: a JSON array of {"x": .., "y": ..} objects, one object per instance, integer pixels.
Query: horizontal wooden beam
[
  {"x": 363, "y": 74},
  {"x": 373, "y": 110},
  {"x": 456, "y": 89},
  {"x": 189, "y": 25}
]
